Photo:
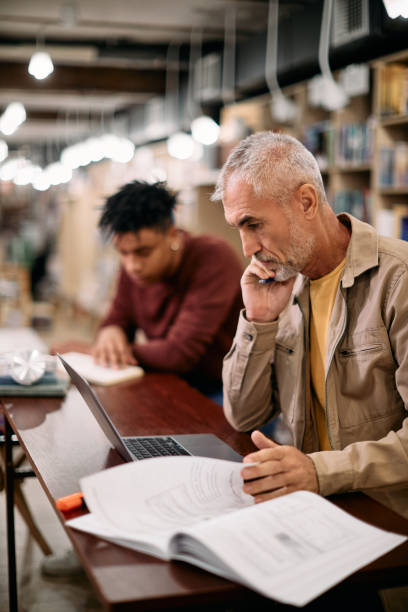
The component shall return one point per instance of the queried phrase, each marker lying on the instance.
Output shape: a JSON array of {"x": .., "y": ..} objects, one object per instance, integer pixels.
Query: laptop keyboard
[{"x": 143, "y": 448}]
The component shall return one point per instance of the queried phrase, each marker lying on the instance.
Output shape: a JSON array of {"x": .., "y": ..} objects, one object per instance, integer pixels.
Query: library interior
[{"x": 102, "y": 102}]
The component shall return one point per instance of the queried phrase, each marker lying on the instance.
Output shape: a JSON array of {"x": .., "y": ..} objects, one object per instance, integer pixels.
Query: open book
[
  {"x": 193, "y": 509},
  {"x": 99, "y": 375}
]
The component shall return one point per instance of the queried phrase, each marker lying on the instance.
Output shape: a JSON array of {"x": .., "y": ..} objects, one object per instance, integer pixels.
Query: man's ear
[{"x": 308, "y": 199}]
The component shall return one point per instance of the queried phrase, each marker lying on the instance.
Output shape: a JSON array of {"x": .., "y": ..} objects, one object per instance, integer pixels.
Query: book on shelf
[
  {"x": 393, "y": 221},
  {"x": 393, "y": 90},
  {"x": 100, "y": 375},
  {"x": 355, "y": 143},
  {"x": 393, "y": 166},
  {"x": 385, "y": 222},
  {"x": 353, "y": 201},
  {"x": 400, "y": 214},
  {"x": 193, "y": 509},
  {"x": 319, "y": 139}
]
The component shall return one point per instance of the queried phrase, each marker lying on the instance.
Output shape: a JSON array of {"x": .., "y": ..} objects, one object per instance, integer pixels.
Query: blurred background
[{"x": 95, "y": 93}]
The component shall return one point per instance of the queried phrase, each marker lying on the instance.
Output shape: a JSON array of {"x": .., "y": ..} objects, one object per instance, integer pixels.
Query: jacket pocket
[
  {"x": 287, "y": 377},
  {"x": 367, "y": 389}
]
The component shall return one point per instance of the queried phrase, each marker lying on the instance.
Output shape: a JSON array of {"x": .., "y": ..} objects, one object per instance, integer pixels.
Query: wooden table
[{"x": 63, "y": 443}]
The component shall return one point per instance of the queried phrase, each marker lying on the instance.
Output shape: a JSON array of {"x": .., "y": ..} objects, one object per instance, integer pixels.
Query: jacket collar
[{"x": 362, "y": 251}]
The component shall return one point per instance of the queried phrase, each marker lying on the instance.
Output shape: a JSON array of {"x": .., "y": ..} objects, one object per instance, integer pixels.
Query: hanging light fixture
[
  {"x": 179, "y": 145},
  {"x": 12, "y": 118},
  {"x": 3, "y": 150},
  {"x": 283, "y": 109},
  {"x": 396, "y": 8},
  {"x": 204, "y": 129},
  {"x": 40, "y": 65},
  {"x": 332, "y": 96}
]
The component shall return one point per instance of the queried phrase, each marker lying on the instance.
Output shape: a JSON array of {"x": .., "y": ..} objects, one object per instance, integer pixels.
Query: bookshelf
[
  {"x": 362, "y": 149},
  {"x": 342, "y": 142},
  {"x": 390, "y": 172}
]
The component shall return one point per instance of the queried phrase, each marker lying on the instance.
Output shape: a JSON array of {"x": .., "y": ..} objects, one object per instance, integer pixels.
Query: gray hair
[{"x": 274, "y": 164}]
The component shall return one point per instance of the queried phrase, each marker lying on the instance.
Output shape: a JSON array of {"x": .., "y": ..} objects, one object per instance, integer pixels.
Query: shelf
[
  {"x": 395, "y": 120},
  {"x": 393, "y": 190},
  {"x": 352, "y": 168}
]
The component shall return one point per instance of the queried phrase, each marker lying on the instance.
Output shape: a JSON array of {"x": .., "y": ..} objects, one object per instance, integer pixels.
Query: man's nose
[
  {"x": 133, "y": 265},
  {"x": 250, "y": 244}
]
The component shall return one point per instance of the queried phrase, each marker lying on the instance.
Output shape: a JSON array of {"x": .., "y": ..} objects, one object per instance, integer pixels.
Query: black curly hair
[{"x": 138, "y": 205}]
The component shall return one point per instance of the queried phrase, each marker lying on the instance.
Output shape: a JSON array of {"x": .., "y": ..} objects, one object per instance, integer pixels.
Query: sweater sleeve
[{"x": 213, "y": 288}]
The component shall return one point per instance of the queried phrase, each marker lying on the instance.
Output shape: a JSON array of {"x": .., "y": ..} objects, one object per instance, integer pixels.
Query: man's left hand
[{"x": 279, "y": 470}]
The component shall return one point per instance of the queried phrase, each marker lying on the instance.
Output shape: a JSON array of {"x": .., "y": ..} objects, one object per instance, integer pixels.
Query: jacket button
[{"x": 248, "y": 337}]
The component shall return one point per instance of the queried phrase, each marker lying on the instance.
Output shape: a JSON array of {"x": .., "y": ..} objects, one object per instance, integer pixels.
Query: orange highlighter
[{"x": 71, "y": 502}]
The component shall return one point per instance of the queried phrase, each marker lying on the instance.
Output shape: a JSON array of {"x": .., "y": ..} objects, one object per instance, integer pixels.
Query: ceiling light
[
  {"x": 40, "y": 65},
  {"x": 205, "y": 130},
  {"x": 41, "y": 182},
  {"x": 396, "y": 8},
  {"x": 27, "y": 175},
  {"x": 3, "y": 150},
  {"x": 11, "y": 167},
  {"x": 13, "y": 116},
  {"x": 123, "y": 150},
  {"x": 57, "y": 173},
  {"x": 70, "y": 156},
  {"x": 283, "y": 109},
  {"x": 180, "y": 145}
]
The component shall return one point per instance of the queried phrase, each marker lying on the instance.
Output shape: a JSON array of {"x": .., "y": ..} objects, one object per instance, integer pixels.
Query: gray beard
[
  {"x": 284, "y": 273},
  {"x": 281, "y": 271}
]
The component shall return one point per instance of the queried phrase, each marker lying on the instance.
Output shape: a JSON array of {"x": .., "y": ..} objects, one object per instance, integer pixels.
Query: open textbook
[
  {"x": 100, "y": 375},
  {"x": 193, "y": 509}
]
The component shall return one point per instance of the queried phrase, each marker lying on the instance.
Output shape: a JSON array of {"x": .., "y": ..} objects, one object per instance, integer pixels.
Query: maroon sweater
[{"x": 189, "y": 319}]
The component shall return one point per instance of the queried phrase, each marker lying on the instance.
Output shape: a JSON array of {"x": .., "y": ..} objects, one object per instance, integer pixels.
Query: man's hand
[
  {"x": 112, "y": 348},
  {"x": 263, "y": 302},
  {"x": 280, "y": 470}
]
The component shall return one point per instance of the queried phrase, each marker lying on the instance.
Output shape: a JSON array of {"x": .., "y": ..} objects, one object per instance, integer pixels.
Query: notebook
[
  {"x": 202, "y": 445},
  {"x": 48, "y": 386},
  {"x": 100, "y": 375}
]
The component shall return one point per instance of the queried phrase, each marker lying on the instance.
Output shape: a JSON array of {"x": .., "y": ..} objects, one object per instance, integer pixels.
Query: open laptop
[{"x": 135, "y": 448}]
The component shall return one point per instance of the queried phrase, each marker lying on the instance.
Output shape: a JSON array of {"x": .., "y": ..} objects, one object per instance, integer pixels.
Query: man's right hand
[
  {"x": 112, "y": 348},
  {"x": 263, "y": 302}
]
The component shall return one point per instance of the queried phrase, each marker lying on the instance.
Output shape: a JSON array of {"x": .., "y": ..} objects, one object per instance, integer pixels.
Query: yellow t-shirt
[{"x": 322, "y": 295}]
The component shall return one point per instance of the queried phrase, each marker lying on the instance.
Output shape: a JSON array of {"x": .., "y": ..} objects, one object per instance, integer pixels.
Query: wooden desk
[{"x": 64, "y": 443}]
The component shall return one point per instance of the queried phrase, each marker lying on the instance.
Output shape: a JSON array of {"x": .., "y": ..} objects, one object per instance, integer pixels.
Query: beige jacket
[{"x": 266, "y": 372}]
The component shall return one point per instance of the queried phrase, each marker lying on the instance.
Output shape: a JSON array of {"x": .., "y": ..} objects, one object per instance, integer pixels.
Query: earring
[{"x": 175, "y": 246}]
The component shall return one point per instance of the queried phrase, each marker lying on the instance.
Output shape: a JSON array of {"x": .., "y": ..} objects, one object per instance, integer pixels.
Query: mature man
[
  {"x": 323, "y": 339},
  {"x": 181, "y": 291}
]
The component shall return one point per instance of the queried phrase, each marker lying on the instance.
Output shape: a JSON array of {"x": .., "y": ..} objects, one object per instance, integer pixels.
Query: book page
[
  {"x": 150, "y": 500},
  {"x": 97, "y": 374},
  {"x": 292, "y": 548}
]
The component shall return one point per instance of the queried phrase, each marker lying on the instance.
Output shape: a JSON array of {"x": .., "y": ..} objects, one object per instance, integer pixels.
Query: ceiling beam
[
  {"x": 51, "y": 115},
  {"x": 14, "y": 75}
]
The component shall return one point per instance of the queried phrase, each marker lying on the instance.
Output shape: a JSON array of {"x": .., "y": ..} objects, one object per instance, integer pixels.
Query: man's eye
[{"x": 253, "y": 226}]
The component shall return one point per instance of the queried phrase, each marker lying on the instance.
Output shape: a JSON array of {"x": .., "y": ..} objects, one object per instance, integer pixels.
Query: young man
[
  {"x": 323, "y": 340},
  {"x": 181, "y": 292}
]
